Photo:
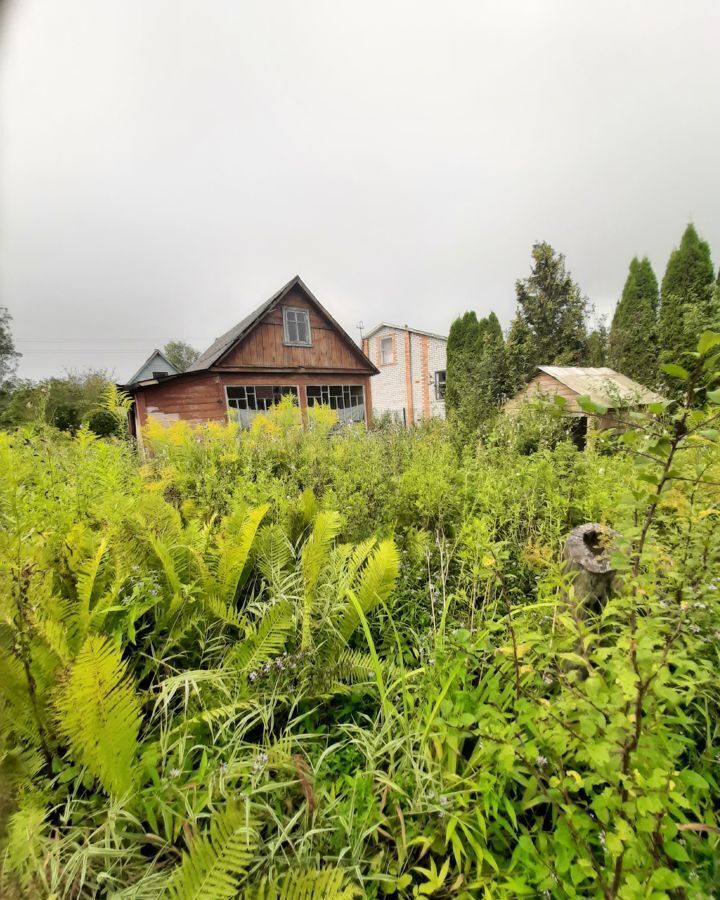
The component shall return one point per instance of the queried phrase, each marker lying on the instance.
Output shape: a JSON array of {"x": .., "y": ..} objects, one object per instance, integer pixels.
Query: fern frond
[
  {"x": 275, "y": 552},
  {"x": 165, "y": 553},
  {"x": 305, "y": 884},
  {"x": 165, "y": 557},
  {"x": 233, "y": 552},
  {"x": 217, "y": 861},
  {"x": 86, "y": 585},
  {"x": 98, "y": 713},
  {"x": 359, "y": 555},
  {"x": 353, "y": 667},
  {"x": 16, "y": 710},
  {"x": 377, "y": 580},
  {"x": 315, "y": 554},
  {"x": 24, "y": 845},
  {"x": 219, "y": 610},
  {"x": 53, "y": 633},
  {"x": 265, "y": 641}
]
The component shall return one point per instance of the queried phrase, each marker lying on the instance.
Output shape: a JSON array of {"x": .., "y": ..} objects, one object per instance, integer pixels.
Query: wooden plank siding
[
  {"x": 265, "y": 347},
  {"x": 201, "y": 397},
  {"x": 260, "y": 356},
  {"x": 545, "y": 385}
]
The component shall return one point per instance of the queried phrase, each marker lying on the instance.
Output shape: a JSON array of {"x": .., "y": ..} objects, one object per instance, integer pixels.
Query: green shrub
[
  {"x": 103, "y": 423},
  {"x": 350, "y": 663}
]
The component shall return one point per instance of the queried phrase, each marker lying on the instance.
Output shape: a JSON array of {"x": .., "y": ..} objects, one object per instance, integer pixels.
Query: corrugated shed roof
[{"x": 602, "y": 384}]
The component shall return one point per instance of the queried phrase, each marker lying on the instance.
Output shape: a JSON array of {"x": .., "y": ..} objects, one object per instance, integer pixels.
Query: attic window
[
  {"x": 160, "y": 374},
  {"x": 296, "y": 323}
]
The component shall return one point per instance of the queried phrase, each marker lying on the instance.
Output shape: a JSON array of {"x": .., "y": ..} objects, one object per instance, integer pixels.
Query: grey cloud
[{"x": 167, "y": 165}]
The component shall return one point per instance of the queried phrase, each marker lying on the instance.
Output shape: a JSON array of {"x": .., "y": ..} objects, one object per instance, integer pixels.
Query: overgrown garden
[{"x": 311, "y": 663}]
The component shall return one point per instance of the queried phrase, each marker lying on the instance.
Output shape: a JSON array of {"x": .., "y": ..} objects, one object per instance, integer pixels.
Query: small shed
[{"x": 602, "y": 384}]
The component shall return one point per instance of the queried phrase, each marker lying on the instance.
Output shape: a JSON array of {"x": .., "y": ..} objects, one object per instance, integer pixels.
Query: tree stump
[{"x": 587, "y": 553}]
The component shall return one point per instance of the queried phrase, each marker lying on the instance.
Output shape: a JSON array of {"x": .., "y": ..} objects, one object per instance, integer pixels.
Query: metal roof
[
  {"x": 602, "y": 384},
  {"x": 156, "y": 353},
  {"x": 440, "y": 337}
]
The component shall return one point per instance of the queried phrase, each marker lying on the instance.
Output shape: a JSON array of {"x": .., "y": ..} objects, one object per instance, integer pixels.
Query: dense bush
[
  {"x": 65, "y": 403},
  {"x": 350, "y": 663}
]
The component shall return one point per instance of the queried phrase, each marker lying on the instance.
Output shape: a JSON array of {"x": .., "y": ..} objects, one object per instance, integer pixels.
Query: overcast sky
[{"x": 166, "y": 165}]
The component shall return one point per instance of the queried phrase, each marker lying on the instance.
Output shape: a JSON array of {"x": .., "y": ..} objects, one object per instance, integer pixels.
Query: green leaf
[
  {"x": 714, "y": 396},
  {"x": 266, "y": 640},
  {"x": 676, "y": 851},
  {"x": 590, "y": 406},
  {"x": 659, "y": 408},
  {"x": 675, "y": 371},
  {"x": 708, "y": 340},
  {"x": 315, "y": 555}
]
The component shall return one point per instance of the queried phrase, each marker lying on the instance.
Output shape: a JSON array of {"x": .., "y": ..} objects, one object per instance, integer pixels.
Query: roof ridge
[
  {"x": 220, "y": 346},
  {"x": 155, "y": 352}
]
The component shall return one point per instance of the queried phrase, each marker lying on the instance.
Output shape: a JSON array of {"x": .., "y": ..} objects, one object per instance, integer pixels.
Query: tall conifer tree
[
  {"x": 493, "y": 378},
  {"x": 686, "y": 307},
  {"x": 477, "y": 372},
  {"x": 462, "y": 346},
  {"x": 633, "y": 333},
  {"x": 597, "y": 346},
  {"x": 549, "y": 326}
]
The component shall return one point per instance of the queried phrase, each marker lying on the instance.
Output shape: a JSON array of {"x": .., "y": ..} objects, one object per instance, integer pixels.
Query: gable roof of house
[
  {"x": 156, "y": 354},
  {"x": 222, "y": 345},
  {"x": 369, "y": 334},
  {"x": 602, "y": 384}
]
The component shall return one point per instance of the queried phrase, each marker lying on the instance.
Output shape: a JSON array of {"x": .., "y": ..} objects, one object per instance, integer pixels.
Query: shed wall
[{"x": 544, "y": 385}]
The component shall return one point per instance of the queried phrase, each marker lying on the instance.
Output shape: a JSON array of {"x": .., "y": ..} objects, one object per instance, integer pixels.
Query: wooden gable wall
[
  {"x": 544, "y": 385},
  {"x": 265, "y": 348}
]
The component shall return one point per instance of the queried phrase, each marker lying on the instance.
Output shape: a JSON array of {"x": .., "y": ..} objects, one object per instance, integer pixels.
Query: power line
[{"x": 144, "y": 340}]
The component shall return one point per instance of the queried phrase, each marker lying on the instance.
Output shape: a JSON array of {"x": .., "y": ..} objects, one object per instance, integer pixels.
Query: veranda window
[
  {"x": 347, "y": 399},
  {"x": 246, "y": 401}
]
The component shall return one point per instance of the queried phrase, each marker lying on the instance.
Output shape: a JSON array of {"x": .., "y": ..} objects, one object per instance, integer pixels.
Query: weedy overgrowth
[{"x": 315, "y": 663}]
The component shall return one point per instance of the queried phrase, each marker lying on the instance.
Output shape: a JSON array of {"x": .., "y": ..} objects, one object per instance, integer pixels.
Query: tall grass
[{"x": 285, "y": 663}]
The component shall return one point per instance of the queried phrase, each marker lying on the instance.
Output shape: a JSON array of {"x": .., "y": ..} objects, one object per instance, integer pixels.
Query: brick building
[{"x": 412, "y": 364}]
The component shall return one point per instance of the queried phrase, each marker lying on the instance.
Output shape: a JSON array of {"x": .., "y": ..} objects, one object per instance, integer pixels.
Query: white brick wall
[{"x": 428, "y": 354}]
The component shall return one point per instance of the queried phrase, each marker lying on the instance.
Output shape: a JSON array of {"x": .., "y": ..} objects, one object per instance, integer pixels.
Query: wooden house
[
  {"x": 156, "y": 366},
  {"x": 289, "y": 345},
  {"x": 601, "y": 384}
]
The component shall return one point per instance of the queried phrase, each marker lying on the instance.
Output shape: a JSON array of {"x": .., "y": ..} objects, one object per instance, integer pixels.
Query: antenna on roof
[{"x": 360, "y": 325}]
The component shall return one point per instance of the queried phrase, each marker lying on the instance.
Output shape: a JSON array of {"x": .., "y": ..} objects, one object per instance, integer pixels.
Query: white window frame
[
  {"x": 256, "y": 412},
  {"x": 287, "y": 323},
  {"x": 391, "y": 360},
  {"x": 361, "y": 386},
  {"x": 437, "y": 385}
]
